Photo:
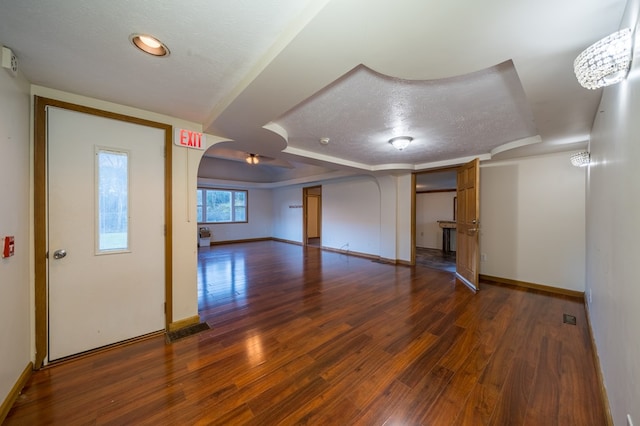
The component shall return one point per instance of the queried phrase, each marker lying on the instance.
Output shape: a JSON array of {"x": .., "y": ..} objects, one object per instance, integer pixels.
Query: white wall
[
  {"x": 430, "y": 208},
  {"x": 613, "y": 233},
  {"x": 351, "y": 215},
  {"x": 287, "y": 213},
  {"x": 354, "y": 216},
  {"x": 389, "y": 216},
  {"x": 363, "y": 214},
  {"x": 532, "y": 221},
  {"x": 15, "y": 276},
  {"x": 403, "y": 224},
  {"x": 260, "y": 215}
]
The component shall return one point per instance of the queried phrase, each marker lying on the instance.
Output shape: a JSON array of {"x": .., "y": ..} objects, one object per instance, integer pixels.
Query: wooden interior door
[
  {"x": 313, "y": 230},
  {"x": 468, "y": 224},
  {"x": 312, "y": 212}
]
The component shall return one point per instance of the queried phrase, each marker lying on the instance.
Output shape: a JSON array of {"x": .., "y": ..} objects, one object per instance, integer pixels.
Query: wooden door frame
[
  {"x": 305, "y": 216},
  {"x": 414, "y": 193},
  {"x": 40, "y": 211}
]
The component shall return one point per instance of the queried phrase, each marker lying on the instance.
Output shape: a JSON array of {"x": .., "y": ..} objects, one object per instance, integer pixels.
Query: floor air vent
[{"x": 172, "y": 336}]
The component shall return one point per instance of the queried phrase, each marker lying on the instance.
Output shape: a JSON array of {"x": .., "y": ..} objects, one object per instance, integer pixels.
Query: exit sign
[{"x": 189, "y": 139}]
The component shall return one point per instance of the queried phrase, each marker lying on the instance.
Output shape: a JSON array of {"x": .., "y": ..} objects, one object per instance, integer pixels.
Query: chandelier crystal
[
  {"x": 580, "y": 159},
  {"x": 605, "y": 62}
]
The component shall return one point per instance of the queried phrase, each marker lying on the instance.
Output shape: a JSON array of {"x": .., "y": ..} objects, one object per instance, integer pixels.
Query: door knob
[{"x": 59, "y": 254}]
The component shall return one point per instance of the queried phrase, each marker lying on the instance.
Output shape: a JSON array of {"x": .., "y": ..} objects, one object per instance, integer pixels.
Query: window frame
[
  {"x": 98, "y": 251},
  {"x": 233, "y": 193}
]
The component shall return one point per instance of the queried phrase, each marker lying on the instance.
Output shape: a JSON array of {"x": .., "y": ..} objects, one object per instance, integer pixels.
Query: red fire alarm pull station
[{"x": 8, "y": 247}]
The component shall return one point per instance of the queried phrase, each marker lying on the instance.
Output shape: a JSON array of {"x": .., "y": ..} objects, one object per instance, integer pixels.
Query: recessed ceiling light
[{"x": 149, "y": 44}]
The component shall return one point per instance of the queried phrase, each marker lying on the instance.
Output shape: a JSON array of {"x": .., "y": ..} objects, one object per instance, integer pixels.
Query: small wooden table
[{"x": 447, "y": 226}]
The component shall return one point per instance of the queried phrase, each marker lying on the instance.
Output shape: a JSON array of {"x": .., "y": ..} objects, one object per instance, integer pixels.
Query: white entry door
[{"x": 106, "y": 278}]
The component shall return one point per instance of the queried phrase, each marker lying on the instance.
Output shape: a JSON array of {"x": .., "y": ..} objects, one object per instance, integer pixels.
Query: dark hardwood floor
[
  {"x": 436, "y": 258},
  {"x": 303, "y": 336}
]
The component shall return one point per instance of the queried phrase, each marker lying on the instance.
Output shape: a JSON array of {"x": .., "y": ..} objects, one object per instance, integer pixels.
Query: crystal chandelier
[
  {"x": 580, "y": 159},
  {"x": 605, "y": 62}
]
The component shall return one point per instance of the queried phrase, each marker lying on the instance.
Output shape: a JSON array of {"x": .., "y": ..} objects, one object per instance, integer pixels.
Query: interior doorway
[
  {"x": 434, "y": 236},
  {"x": 77, "y": 310},
  {"x": 312, "y": 215}
]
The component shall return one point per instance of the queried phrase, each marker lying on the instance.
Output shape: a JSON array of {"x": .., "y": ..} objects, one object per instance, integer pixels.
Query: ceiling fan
[{"x": 254, "y": 159}]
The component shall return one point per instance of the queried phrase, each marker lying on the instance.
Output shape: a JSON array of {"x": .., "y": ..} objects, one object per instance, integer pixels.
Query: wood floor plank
[
  {"x": 238, "y": 416},
  {"x": 381, "y": 379},
  {"x": 460, "y": 387},
  {"x": 544, "y": 403},
  {"x": 384, "y": 406},
  {"x": 430, "y": 358},
  {"x": 275, "y": 413},
  {"x": 512, "y": 404},
  {"x": 479, "y": 406},
  {"x": 424, "y": 395},
  {"x": 333, "y": 411},
  {"x": 304, "y": 336}
]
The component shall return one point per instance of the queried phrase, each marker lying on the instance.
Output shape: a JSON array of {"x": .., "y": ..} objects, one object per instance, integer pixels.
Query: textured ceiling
[
  {"x": 447, "y": 118},
  {"x": 463, "y": 78},
  {"x": 83, "y": 47}
]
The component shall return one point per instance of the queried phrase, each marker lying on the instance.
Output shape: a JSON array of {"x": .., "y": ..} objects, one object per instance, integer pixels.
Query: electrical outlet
[
  {"x": 629, "y": 421},
  {"x": 483, "y": 257}
]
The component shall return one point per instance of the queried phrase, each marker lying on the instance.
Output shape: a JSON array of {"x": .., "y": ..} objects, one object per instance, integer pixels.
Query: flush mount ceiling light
[
  {"x": 605, "y": 62},
  {"x": 580, "y": 159},
  {"x": 401, "y": 142},
  {"x": 149, "y": 44},
  {"x": 252, "y": 159}
]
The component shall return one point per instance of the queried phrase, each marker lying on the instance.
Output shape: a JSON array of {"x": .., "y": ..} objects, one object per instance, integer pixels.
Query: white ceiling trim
[
  {"x": 452, "y": 162},
  {"x": 516, "y": 144},
  {"x": 223, "y": 183}
]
